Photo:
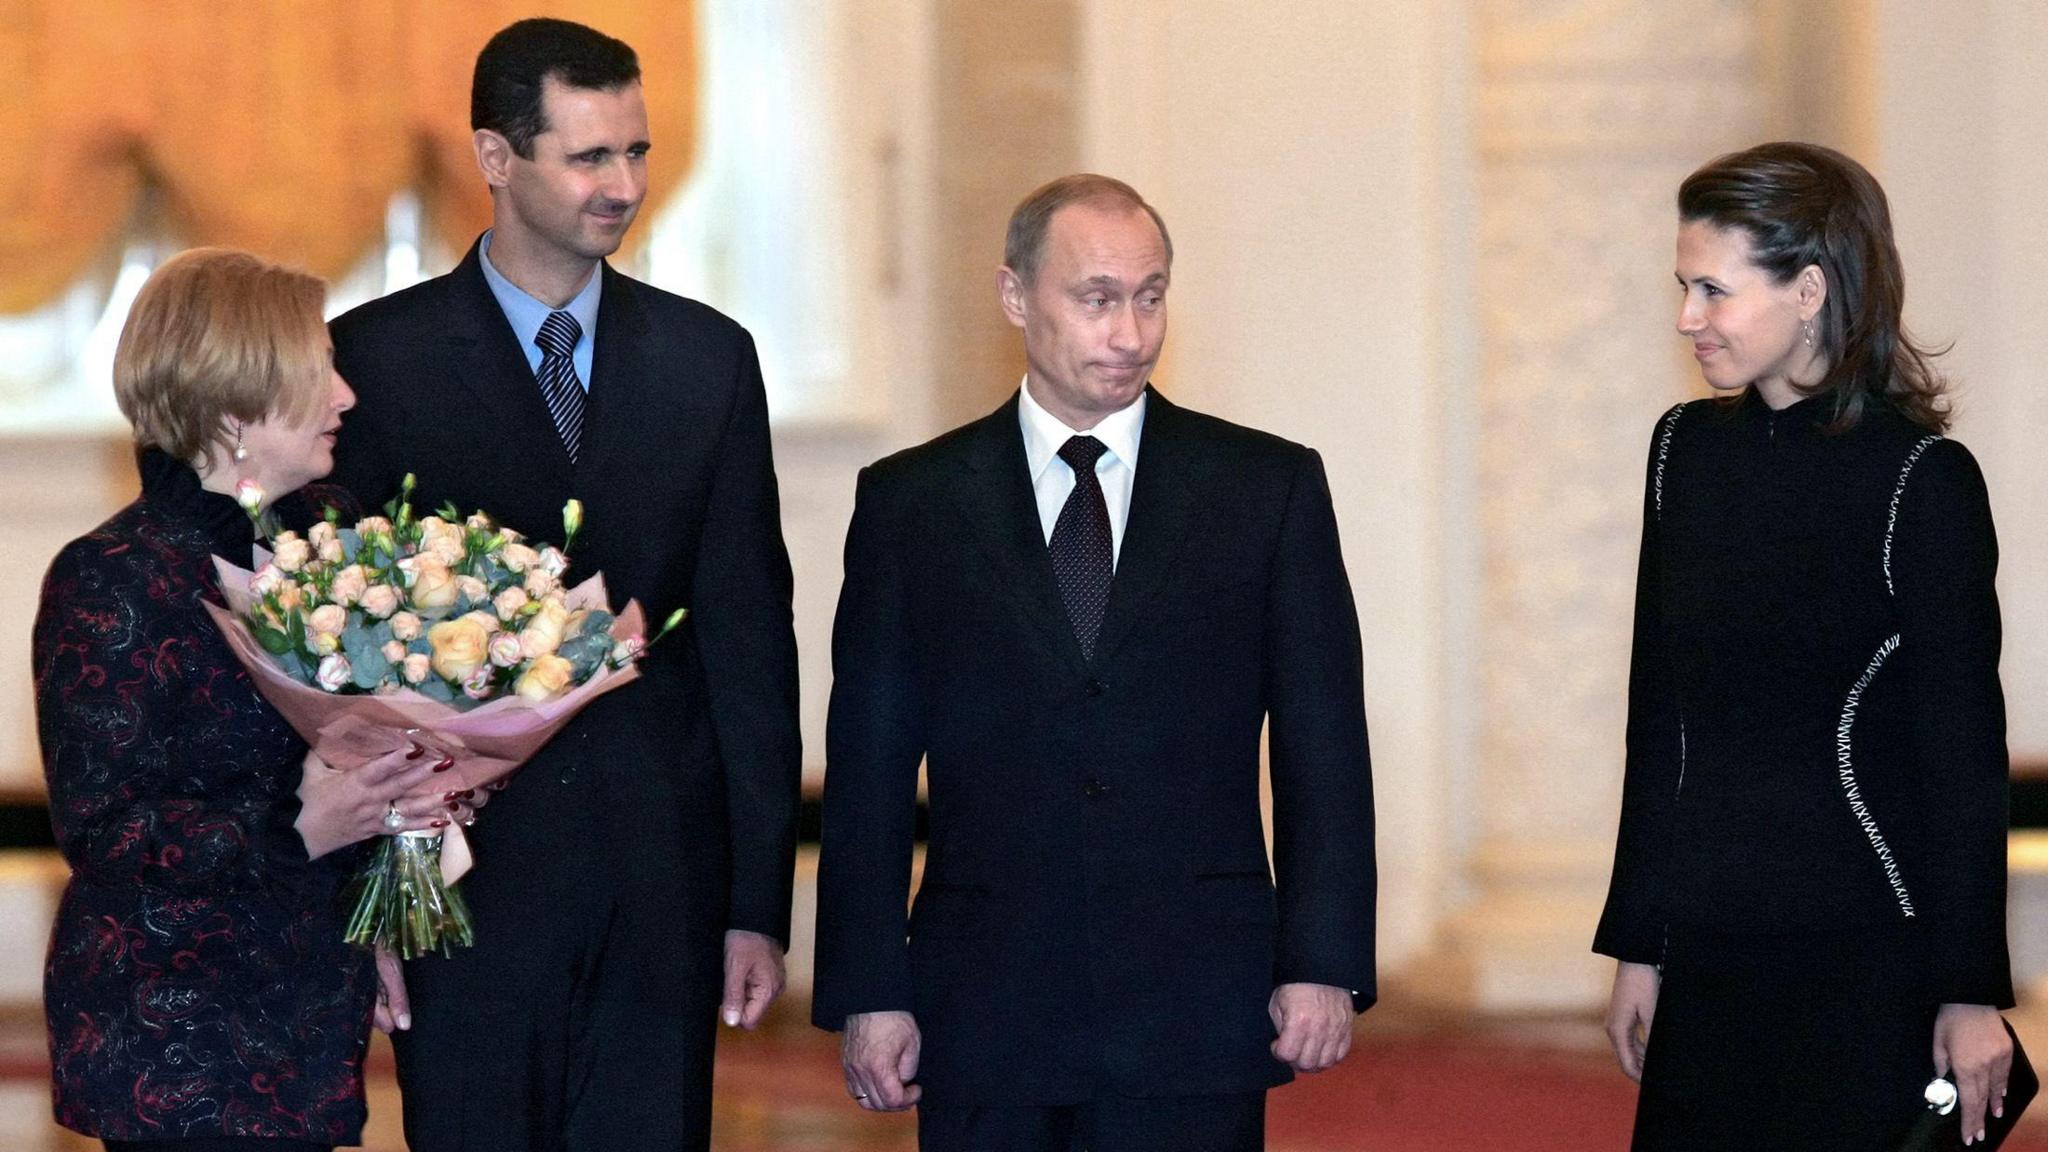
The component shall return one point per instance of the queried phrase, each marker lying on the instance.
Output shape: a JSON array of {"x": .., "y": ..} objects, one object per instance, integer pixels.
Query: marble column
[{"x": 1588, "y": 113}]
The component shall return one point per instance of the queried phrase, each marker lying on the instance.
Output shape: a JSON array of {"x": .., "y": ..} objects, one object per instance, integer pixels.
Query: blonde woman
[{"x": 199, "y": 994}]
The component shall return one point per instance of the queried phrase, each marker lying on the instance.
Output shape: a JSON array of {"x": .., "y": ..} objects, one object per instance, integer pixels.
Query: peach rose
[
  {"x": 509, "y": 602},
  {"x": 370, "y": 526},
  {"x": 449, "y": 550},
  {"x": 540, "y": 582},
  {"x": 394, "y": 651},
  {"x": 291, "y": 552},
  {"x": 547, "y": 676},
  {"x": 517, "y": 557},
  {"x": 349, "y": 585},
  {"x": 380, "y": 601},
  {"x": 460, "y": 648},
  {"x": 433, "y": 586},
  {"x": 473, "y": 589},
  {"x": 405, "y": 626},
  {"x": 289, "y": 597},
  {"x": 415, "y": 668}
]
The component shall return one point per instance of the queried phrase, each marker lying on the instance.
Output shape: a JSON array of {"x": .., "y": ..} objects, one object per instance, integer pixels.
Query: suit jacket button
[
  {"x": 1094, "y": 788},
  {"x": 1095, "y": 687}
]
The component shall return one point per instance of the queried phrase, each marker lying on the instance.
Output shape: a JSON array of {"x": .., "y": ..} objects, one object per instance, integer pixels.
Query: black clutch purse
[{"x": 1941, "y": 1129}]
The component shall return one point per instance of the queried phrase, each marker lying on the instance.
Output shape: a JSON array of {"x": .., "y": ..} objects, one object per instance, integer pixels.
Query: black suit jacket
[
  {"x": 1096, "y": 911},
  {"x": 696, "y": 767}
]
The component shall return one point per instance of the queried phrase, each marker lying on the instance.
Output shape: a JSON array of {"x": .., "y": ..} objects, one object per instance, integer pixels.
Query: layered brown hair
[
  {"x": 1800, "y": 205},
  {"x": 218, "y": 334}
]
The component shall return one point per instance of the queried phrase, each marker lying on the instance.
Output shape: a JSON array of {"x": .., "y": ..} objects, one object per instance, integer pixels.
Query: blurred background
[{"x": 1431, "y": 238}]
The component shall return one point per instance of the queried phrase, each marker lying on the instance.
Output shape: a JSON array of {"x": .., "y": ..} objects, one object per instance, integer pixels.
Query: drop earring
[
  {"x": 242, "y": 453},
  {"x": 1808, "y": 328}
]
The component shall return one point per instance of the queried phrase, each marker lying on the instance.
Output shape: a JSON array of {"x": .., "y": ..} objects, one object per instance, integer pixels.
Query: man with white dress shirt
[{"x": 1083, "y": 653}]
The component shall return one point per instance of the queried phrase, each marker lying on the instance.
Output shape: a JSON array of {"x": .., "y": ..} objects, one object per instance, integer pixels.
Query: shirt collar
[
  {"x": 526, "y": 313},
  {"x": 1044, "y": 434}
]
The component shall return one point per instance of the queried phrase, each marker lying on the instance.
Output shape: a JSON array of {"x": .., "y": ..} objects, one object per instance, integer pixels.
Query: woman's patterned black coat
[{"x": 197, "y": 984}]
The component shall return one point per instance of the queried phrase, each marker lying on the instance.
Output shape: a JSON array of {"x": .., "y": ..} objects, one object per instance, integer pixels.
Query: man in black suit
[
  {"x": 638, "y": 870},
  {"x": 1079, "y": 612}
]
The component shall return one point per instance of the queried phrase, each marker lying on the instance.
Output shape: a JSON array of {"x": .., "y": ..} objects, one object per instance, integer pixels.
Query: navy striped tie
[{"x": 558, "y": 382}]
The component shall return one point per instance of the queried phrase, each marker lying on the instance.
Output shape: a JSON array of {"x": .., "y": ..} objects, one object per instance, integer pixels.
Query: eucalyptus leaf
[{"x": 367, "y": 664}]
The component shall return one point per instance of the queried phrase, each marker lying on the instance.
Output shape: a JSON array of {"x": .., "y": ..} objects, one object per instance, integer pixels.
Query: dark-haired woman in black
[{"x": 1808, "y": 897}]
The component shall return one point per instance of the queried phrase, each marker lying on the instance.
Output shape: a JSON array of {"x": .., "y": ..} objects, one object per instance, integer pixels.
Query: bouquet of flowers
[{"x": 455, "y": 633}]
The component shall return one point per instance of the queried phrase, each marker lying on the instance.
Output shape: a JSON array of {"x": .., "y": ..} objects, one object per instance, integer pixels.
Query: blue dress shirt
[{"x": 526, "y": 314}]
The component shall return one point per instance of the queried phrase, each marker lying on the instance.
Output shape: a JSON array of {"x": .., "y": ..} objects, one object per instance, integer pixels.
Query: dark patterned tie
[
  {"x": 1083, "y": 558},
  {"x": 558, "y": 383}
]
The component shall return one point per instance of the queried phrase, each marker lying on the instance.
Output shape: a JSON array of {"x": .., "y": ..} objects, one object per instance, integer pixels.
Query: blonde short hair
[{"x": 218, "y": 333}]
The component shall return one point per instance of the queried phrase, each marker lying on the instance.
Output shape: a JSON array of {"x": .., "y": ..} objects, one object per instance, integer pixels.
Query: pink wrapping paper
[{"x": 488, "y": 742}]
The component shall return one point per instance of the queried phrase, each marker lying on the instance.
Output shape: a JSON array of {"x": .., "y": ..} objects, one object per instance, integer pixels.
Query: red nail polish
[
  {"x": 496, "y": 785},
  {"x": 454, "y": 807},
  {"x": 445, "y": 764},
  {"x": 450, "y": 795},
  {"x": 438, "y": 824},
  {"x": 466, "y": 793},
  {"x": 418, "y": 750}
]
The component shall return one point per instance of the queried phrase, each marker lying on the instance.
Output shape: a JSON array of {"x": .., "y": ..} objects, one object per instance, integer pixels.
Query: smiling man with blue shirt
[{"x": 633, "y": 883}]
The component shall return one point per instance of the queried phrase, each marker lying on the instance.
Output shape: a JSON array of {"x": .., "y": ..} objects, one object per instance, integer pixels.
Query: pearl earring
[{"x": 242, "y": 453}]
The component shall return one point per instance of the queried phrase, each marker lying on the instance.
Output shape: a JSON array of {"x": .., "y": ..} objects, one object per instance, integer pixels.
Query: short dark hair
[
  {"x": 1024, "y": 245},
  {"x": 1802, "y": 204},
  {"x": 505, "y": 94}
]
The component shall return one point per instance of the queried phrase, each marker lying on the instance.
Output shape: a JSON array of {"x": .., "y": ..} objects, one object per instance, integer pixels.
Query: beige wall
[{"x": 1431, "y": 240}]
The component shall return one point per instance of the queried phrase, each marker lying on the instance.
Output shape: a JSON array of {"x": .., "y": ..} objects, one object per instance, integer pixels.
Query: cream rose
[
  {"x": 547, "y": 676},
  {"x": 405, "y": 626},
  {"x": 291, "y": 552},
  {"x": 349, "y": 585},
  {"x": 460, "y": 647},
  {"x": 544, "y": 630},
  {"x": 554, "y": 561},
  {"x": 380, "y": 600},
  {"x": 334, "y": 672},
  {"x": 416, "y": 667}
]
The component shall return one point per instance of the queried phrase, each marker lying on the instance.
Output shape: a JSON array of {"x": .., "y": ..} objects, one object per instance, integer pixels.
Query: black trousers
[
  {"x": 581, "y": 1021},
  {"x": 1813, "y": 1041},
  {"x": 216, "y": 1144},
  {"x": 1232, "y": 1123}
]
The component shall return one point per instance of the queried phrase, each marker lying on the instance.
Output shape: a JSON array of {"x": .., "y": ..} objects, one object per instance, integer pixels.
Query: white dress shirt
[{"x": 1052, "y": 480}]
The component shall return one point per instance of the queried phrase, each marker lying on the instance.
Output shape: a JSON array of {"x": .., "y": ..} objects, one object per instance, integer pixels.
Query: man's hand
[
  {"x": 1314, "y": 1021},
  {"x": 394, "y": 1010},
  {"x": 1972, "y": 1049},
  {"x": 879, "y": 1056},
  {"x": 1629, "y": 1010},
  {"x": 753, "y": 978}
]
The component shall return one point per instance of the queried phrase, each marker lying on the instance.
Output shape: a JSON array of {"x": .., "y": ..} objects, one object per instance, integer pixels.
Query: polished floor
[{"x": 1412, "y": 1085}]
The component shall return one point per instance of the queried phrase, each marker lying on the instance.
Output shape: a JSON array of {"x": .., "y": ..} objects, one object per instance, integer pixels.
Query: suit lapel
[
  {"x": 995, "y": 495},
  {"x": 490, "y": 365},
  {"x": 616, "y": 375},
  {"x": 1164, "y": 500}
]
